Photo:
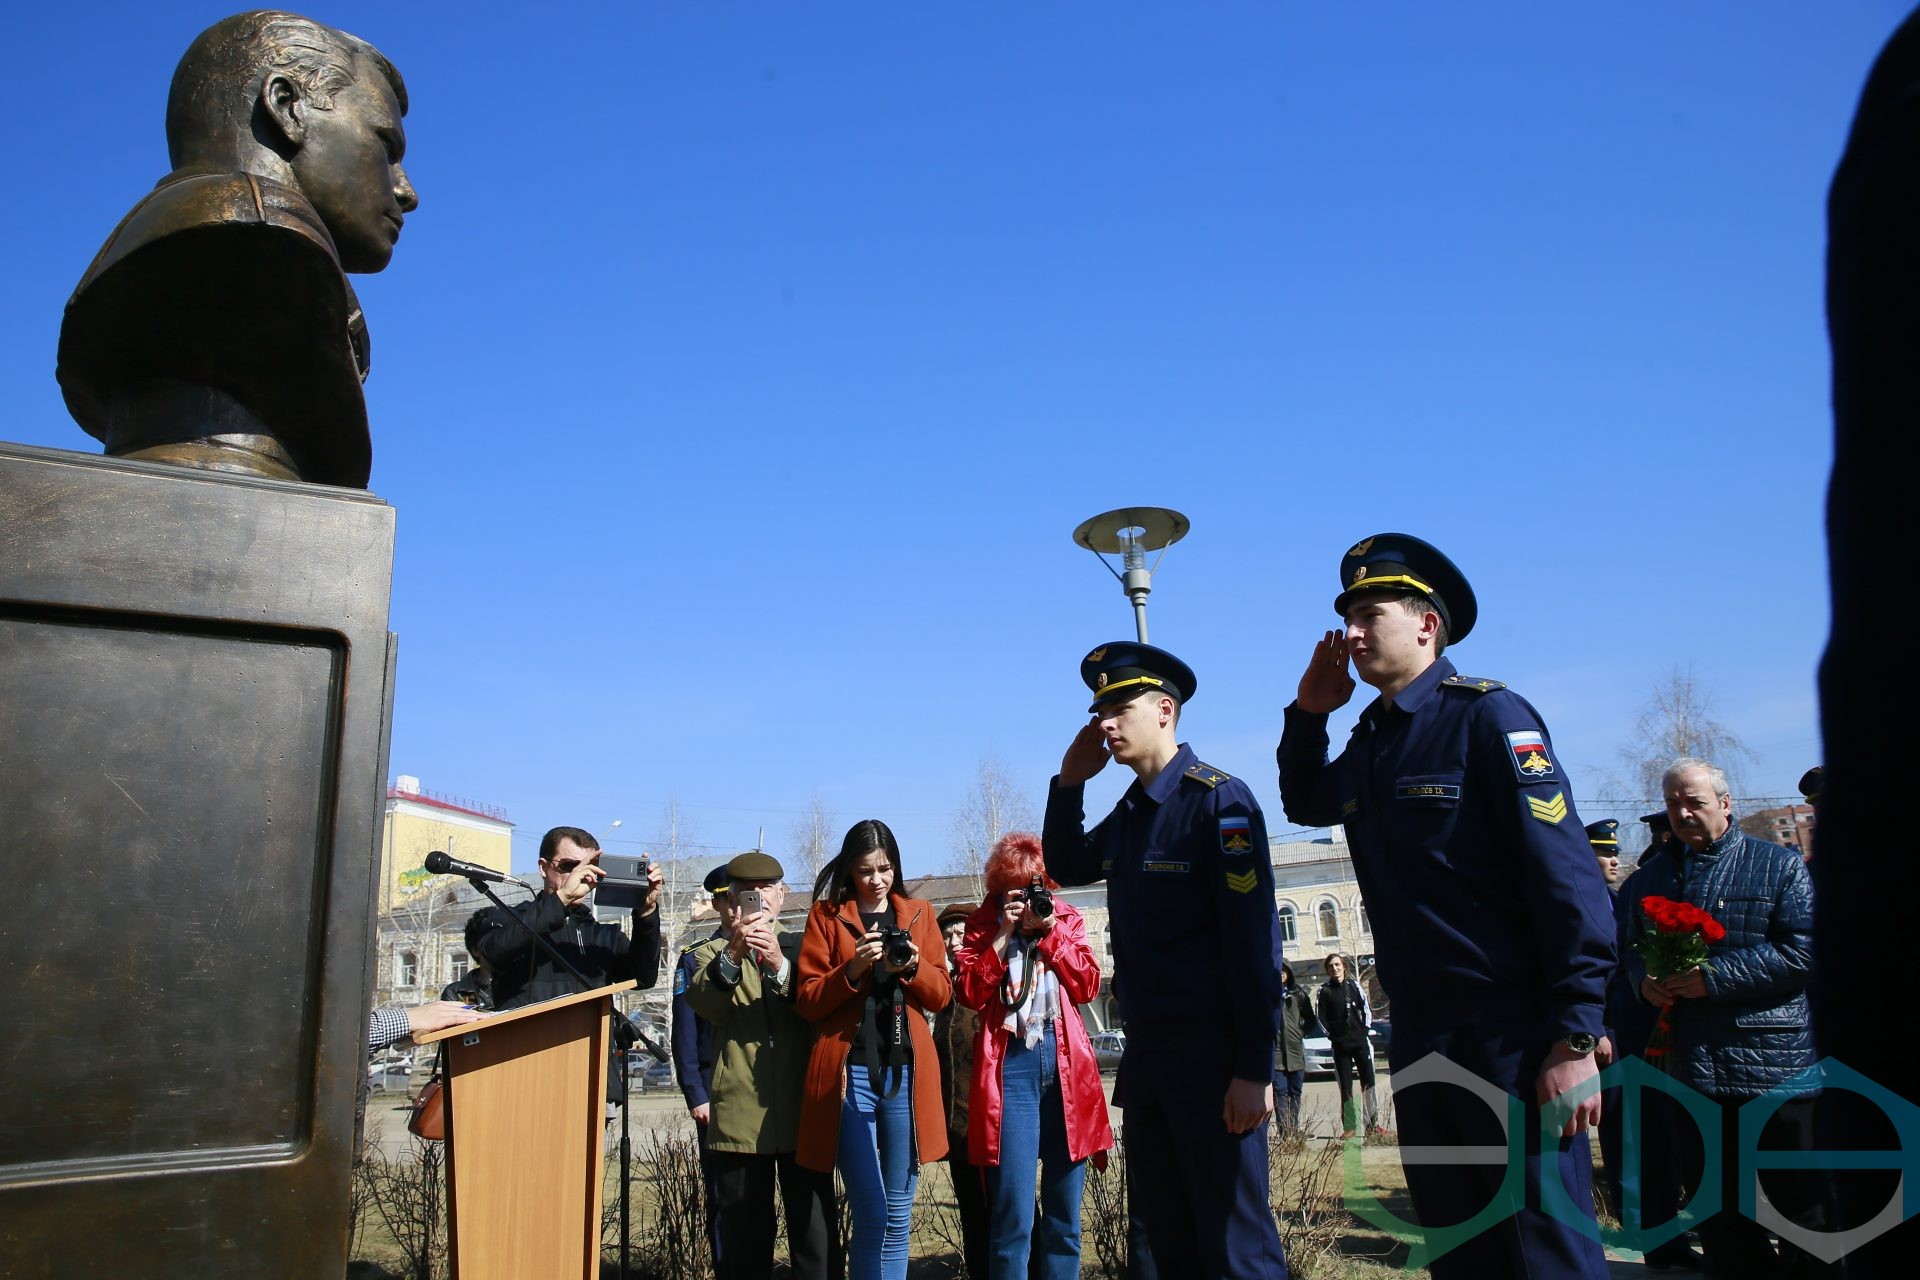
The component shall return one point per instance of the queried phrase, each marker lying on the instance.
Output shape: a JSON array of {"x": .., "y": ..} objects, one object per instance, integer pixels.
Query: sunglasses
[{"x": 565, "y": 866}]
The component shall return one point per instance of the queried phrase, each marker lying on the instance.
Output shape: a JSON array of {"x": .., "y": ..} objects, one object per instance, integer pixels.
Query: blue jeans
[
  {"x": 1033, "y": 1129},
  {"x": 877, "y": 1163},
  {"x": 1288, "y": 1087}
]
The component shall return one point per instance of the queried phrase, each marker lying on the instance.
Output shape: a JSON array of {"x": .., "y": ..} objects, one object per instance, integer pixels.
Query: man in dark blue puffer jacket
[{"x": 1739, "y": 1024}]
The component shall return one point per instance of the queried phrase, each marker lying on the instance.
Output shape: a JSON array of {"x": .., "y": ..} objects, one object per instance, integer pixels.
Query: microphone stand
[{"x": 627, "y": 1032}]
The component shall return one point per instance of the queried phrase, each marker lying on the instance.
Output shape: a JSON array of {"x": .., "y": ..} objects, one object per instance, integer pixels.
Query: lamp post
[{"x": 1130, "y": 533}]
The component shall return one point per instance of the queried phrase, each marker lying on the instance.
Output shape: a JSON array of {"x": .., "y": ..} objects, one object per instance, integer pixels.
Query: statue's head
[{"x": 319, "y": 110}]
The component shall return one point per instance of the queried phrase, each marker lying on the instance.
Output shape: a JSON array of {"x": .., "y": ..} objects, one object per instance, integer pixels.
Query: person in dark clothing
[
  {"x": 1344, "y": 1013},
  {"x": 954, "y": 1030},
  {"x": 693, "y": 1049},
  {"x": 1290, "y": 1051},
  {"x": 524, "y": 974},
  {"x": 1866, "y": 874}
]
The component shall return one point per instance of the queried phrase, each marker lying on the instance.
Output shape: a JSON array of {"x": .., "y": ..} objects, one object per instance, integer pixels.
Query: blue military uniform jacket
[
  {"x": 1481, "y": 887},
  {"x": 692, "y": 1034},
  {"x": 1196, "y": 939}
]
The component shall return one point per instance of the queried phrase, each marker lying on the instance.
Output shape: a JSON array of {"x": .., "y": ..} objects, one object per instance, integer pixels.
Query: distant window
[
  {"x": 459, "y": 964},
  {"x": 409, "y": 970},
  {"x": 1366, "y": 925},
  {"x": 1289, "y": 924},
  {"x": 1329, "y": 920}
]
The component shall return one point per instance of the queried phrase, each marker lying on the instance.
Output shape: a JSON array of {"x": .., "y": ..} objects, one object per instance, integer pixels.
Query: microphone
[{"x": 441, "y": 865}]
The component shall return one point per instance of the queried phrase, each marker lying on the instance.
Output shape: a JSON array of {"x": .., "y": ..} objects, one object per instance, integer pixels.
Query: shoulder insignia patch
[
  {"x": 694, "y": 946},
  {"x": 1531, "y": 759},
  {"x": 1474, "y": 684},
  {"x": 680, "y": 981},
  {"x": 1236, "y": 835},
  {"x": 1243, "y": 881},
  {"x": 1207, "y": 775},
  {"x": 1551, "y": 812}
]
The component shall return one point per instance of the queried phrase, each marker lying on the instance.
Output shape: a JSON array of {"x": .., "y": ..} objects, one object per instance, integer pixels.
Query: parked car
[
  {"x": 649, "y": 1076},
  {"x": 390, "y": 1063},
  {"x": 1319, "y": 1049},
  {"x": 1108, "y": 1046}
]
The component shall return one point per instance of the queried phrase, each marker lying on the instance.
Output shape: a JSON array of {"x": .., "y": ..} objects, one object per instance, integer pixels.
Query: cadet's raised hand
[
  {"x": 1086, "y": 755},
  {"x": 1327, "y": 685}
]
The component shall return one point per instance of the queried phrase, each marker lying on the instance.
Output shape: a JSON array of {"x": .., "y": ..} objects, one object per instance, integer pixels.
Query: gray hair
[{"x": 1687, "y": 764}]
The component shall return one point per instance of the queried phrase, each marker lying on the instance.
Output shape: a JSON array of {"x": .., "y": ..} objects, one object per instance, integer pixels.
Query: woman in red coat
[
  {"x": 1024, "y": 964},
  {"x": 872, "y": 1097}
]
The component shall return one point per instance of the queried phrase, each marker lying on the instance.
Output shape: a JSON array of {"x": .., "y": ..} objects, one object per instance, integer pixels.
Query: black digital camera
[
  {"x": 896, "y": 945},
  {"x": 1039, "y": 899}
]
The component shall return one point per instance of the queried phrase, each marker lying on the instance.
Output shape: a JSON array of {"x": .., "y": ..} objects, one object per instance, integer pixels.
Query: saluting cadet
[
  {"x": 1492, "y": 928},
  {"x": 1196, "y": 947},
  {"x": 693, "y": 1045}
]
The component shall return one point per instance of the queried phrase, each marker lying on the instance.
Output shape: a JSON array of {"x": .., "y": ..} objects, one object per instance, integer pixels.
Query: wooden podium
[{"x": 526, "y": 1095}]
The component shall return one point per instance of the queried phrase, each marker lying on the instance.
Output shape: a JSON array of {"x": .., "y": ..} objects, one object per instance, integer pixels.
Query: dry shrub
[
  {"x": 1304, "y": 1188},
  {"x": 668, "y": 1213},
  {"x": 410, "y": 1196}
]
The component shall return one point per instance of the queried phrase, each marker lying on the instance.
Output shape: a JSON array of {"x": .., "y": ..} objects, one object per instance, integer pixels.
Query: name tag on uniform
[
  {"x": 1429, "y": 791},
  {"x": 1180, "y": 868}
]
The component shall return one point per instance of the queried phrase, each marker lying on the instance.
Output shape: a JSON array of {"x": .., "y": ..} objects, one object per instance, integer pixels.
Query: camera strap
[
  {"x": 888, "y": 1020},
  {"x": 1010, "y": 998}
]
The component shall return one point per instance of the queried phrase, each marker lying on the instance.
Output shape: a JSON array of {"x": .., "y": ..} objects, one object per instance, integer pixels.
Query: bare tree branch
[
  {"x": 1678, "y": 720},
  {"x": 994, "y": 805},
  {"x": 813, "y": 844}
]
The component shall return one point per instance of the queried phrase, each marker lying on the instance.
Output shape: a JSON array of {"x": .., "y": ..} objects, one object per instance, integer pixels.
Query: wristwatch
[{"x": 1580, "y": 1042}]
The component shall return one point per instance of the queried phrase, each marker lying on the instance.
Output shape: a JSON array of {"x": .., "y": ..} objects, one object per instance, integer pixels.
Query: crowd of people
[{"x": 887, "y": 1033}]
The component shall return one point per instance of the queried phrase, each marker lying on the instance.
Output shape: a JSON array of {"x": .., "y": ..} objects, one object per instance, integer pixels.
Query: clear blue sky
[{"x": 746, "y": 366}]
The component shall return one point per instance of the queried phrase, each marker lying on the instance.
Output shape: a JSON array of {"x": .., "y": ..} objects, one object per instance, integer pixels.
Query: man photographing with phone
[
  {"x": 524, "y": 974},
  {"x": 743, "y": 983}
]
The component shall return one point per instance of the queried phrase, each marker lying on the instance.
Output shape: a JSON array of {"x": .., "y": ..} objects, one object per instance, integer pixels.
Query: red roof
[{"x": 491, "y": 812}]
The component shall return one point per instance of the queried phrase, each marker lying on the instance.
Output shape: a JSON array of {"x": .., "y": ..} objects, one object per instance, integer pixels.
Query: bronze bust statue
[{"x": 216, "y": 327}]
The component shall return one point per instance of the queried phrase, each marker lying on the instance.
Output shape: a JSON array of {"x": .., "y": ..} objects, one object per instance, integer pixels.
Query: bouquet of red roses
[{"x": 1677, "y": 942}]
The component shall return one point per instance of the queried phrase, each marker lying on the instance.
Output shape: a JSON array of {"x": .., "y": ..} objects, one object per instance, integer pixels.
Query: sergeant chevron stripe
[
  {"x": 1549, "y": 811},
  {"x": 1242, "y": 881}
]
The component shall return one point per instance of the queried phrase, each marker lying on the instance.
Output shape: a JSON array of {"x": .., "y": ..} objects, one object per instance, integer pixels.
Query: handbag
[{"x": 429, "y": 1116}]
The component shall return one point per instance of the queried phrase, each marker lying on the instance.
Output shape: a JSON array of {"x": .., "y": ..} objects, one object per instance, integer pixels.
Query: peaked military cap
[
  {"x": 1605, "y": 834},
  {"x": 1127, "y": 669},
  {"x": 753, "y": 865},
  {"x": 1811, "y": 781},
  {"x": 716, "y": 881},
  {"x": 1658, "y": 822},
  {"x": 1400, "y": 562}
]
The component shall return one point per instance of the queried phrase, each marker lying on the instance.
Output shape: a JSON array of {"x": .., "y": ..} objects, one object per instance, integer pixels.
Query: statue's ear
[{"x": 282, "y": 106}]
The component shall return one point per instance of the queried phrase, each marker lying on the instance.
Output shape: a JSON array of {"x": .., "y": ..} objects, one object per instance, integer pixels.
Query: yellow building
[{"x": 417, "y": 822}]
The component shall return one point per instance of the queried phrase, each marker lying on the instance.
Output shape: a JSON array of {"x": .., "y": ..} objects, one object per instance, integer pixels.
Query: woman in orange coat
[{"x": 872, "y": 1096}]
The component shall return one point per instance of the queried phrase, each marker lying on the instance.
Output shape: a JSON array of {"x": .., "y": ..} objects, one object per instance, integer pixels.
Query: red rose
[{"x": 1712, "y": 930}]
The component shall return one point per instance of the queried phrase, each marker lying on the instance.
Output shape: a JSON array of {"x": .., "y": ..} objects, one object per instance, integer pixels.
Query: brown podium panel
[
  {"x": 526, "y": 1117},
  {"x": 194, "y": 678}
]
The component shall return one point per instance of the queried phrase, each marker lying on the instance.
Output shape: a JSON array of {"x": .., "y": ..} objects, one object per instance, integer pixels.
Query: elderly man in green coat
[{"x": 743, "y": 983}]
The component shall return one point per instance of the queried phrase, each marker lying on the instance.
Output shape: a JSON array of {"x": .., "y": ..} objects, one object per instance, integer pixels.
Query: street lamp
[{"x": 1130, "y": 533}]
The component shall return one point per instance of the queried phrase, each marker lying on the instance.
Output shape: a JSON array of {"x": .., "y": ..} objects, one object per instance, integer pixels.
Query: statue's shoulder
[{"x": 188, "y": 201}]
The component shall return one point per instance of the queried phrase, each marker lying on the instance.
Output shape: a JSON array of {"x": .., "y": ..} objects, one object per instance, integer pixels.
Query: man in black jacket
[{"x": 524, "y": 974}]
